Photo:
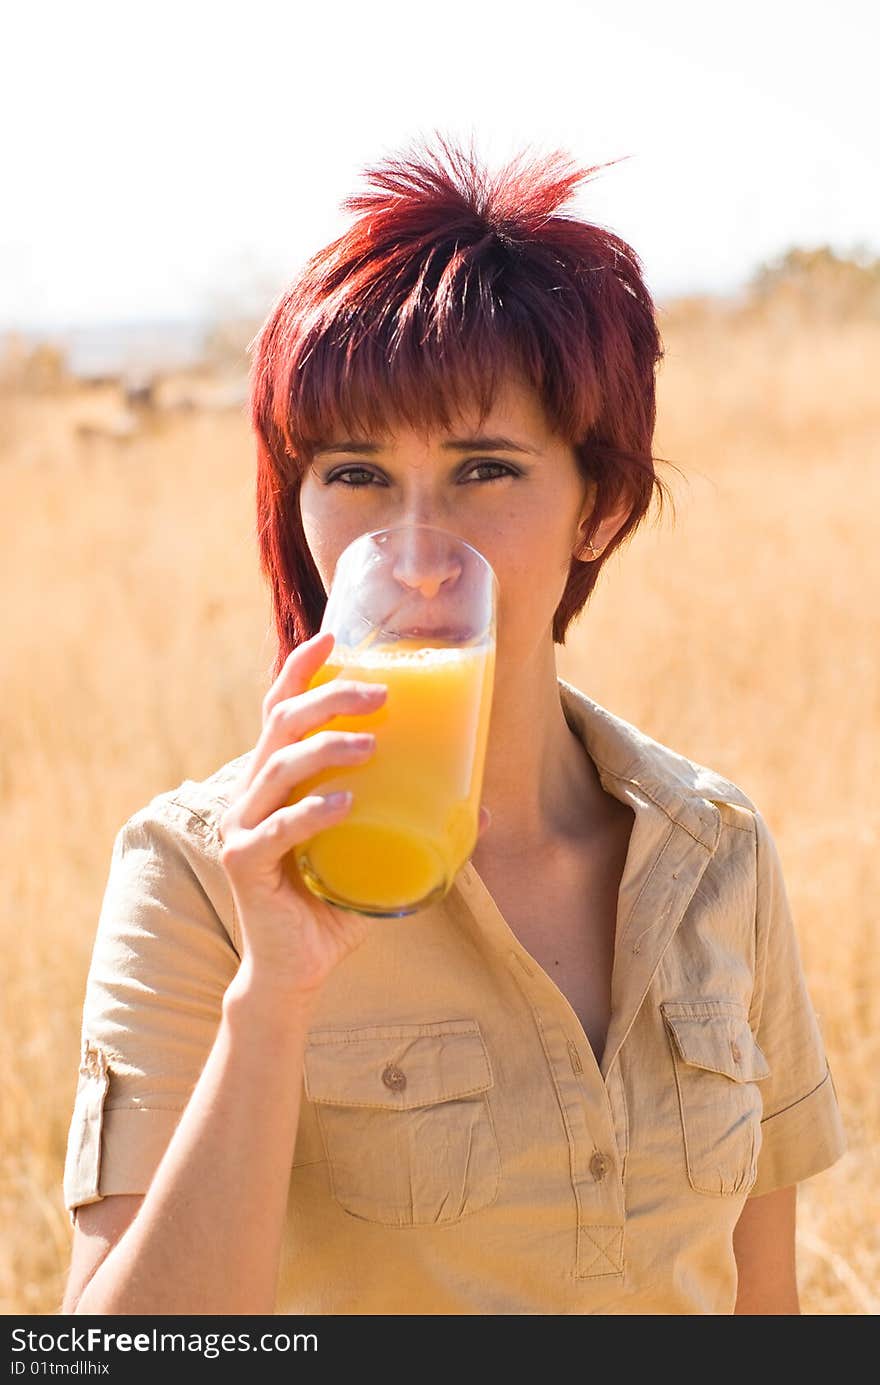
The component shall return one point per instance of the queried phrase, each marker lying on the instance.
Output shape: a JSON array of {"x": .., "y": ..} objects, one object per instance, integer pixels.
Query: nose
[
  {"x": 425, "y": 560},
  {"x": 426, "y": 575}
]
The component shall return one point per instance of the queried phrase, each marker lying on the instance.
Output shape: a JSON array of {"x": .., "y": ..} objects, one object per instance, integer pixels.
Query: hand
[{"x": 293, "y": 940}]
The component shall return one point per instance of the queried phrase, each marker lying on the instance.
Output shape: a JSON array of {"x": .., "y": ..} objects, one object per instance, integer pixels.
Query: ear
[
  {"x": 587, "y": 504},
  {"x": 609, "y": 526}
]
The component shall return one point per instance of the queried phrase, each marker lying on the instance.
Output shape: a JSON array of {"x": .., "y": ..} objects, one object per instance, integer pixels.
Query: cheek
[
  {"x": 531, "y": 581},
  {"x": 533, "y": 550},
  {"x": 324, "y": 535},
  {"x": 532, "y": 561}
]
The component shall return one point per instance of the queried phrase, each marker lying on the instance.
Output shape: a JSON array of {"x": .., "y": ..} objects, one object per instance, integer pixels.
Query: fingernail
[{"x": 338, "y": 800}]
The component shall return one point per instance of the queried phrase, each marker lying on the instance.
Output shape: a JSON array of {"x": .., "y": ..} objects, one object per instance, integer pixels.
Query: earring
[{"x": 593, "y": 553}]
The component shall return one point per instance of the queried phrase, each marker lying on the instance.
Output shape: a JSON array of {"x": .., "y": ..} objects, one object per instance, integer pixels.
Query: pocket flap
[
  {"x": 396, "y": 1066},
  {"x": 716, "y": 1035}
]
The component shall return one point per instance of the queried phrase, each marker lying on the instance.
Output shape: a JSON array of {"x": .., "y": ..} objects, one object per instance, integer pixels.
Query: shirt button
[
  {"x": 599, "y": 1166},
  {"x": 394, "y": 1078},
  {"x": 736, "y": 1051}
]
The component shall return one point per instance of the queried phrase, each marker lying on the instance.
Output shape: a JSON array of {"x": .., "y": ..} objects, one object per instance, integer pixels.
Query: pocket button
[
  {"x": 736, "y": 1051},
  {"x": 394, "y": 1077},
  {"x": 598, "y": 1166}
]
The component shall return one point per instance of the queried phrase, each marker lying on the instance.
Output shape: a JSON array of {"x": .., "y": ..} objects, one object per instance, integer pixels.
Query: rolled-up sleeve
[
  {"x": 164, "y": 953},
  {"x": 802, "y": 1128}
]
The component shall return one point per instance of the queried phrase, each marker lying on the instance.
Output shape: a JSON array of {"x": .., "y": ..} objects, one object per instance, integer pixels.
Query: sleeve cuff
[
  {"x": 118, "y": 1151},
  {"x": 801, "y": 1140}
]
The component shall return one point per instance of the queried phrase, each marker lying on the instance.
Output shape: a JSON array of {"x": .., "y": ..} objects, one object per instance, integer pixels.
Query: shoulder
[
  {"x": 167, "y": 858},
  {"x": 632, "y": 762},
  {"x": 169, "y": 851},
  {"x": 194, "y": 806}
]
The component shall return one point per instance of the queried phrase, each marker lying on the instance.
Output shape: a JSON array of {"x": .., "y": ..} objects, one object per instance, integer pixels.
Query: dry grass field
[{"x": 742, "y": 630}]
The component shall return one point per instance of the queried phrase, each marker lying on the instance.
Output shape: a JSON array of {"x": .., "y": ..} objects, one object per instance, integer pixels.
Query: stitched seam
[
  {"x": 646, "y": 882},
  {"x": 579, "y": 1273},
  {"x": 491, "y": 1115},
  {"x": 782, "y": 1110},
  {"x": 209, "y": 826},
  {"x": 387, "y": 1105},
  {"x": 621, "y": 1089},
  {"x": 341, "y": 1036},
  {"x": 623, "y": 779},
  {"x": 727, "y": 1189},
  {"x": 735, "y": 1073},
  {"x": 380, "y": 1213},
  {"x": 753, "y": 1017},
  {"x": 703, "y": 1009},
  {"x": 761, "y": 935},
  {"x": 566, "y": 1123},
  {"x": 212, "y": 830},
  {"x": 589, "y": 1271},
  {"x": 232, "y": 931},
  {"x": 664, "y": 916},
  {"x": 115, "y": 1106},
  {"x": 237, "y": 941},
  {"x": 602, "y": 1249},
  {"x": 707, "y": 1067}
]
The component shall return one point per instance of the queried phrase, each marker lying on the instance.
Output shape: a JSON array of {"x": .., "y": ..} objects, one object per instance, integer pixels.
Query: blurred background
[{"x": 171, "y": 168}]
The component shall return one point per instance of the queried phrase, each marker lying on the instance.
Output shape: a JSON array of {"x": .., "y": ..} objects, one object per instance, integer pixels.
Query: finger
[
  {"x": 294, "y": 717},
  {"x": 263, "y": 846},
  {"x": 292, "y": 766},
  {"x": 300, "y": 666},
  {"x": 485, "y": 819}
]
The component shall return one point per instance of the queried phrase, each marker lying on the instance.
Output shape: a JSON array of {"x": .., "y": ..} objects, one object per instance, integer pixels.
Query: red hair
[{"x": 450, "y": 281}]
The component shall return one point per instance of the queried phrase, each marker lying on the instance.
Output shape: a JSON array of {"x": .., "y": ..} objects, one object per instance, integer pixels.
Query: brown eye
[
  {"x": 500, "y": 469},
  {"x": 354, "y": 476}
]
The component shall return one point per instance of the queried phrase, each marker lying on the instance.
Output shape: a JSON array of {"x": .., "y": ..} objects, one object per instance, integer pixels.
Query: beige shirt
[{"x": 459, "y": 1149}]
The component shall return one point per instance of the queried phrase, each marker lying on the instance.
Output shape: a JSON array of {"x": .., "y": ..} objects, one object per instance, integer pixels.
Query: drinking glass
[{"x": 412, "y": 607}]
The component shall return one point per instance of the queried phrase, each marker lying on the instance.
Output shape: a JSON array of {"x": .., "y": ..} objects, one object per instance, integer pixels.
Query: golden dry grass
[{"x": 744, "y": 634}]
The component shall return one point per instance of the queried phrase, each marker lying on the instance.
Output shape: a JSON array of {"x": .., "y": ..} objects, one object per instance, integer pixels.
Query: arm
[
  {"x": 97, "y": 1226},
  {"x": 206, "y": 1237},
  {"x": 764, "y": 1246}
]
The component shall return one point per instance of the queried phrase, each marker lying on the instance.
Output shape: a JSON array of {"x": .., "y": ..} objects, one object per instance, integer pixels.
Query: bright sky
[{"x": 179, "y": 157}]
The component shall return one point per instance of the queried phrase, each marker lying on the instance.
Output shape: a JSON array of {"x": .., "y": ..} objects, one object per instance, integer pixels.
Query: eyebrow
[{"x": 491, "y": 444}]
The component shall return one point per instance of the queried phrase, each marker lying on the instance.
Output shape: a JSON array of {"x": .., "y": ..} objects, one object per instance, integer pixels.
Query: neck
[{"x": 539, "y": 783}]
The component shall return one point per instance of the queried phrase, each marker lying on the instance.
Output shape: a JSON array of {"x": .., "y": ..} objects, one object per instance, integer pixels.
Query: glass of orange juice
[{"x": 414, "y": 608}]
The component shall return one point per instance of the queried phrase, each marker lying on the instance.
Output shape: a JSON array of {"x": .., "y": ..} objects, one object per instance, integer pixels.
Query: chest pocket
[
  {"x": 405, "y": 1120},
  {"x": 717, "y": 1064}
]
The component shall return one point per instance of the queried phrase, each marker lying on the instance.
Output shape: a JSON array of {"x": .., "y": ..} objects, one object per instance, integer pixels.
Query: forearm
[
  {"x": 207, "y": 1238},
  {"x": 764, "y": 1243}
]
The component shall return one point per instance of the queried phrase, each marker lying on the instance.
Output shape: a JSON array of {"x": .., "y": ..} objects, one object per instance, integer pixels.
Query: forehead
[{"x": 515, "y": 411}]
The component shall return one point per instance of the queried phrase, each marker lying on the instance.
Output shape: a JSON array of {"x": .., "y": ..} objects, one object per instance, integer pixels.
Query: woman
[{"x": 591, "y": 1078}]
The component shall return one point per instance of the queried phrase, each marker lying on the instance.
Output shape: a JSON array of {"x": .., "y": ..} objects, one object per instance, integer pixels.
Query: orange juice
[{"x": 413, "y": 820}]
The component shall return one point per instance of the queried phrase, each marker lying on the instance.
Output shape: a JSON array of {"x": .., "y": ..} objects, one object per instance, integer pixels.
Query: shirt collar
[
  {"x": 627, "y": 759},
  {"x": 675, "y": 833}
]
